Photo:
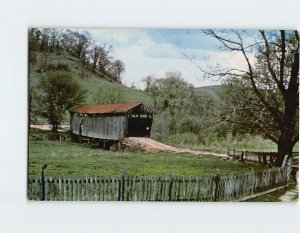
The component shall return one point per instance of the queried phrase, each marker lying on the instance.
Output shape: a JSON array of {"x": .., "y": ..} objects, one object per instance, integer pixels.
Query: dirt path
[
  {"x": 292, "y": 194},
  {"x": 153, "y": 146},
  {"x": 47, "y": 127}
]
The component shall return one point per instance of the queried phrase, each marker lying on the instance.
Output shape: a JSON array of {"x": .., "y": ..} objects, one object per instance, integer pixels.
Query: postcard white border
[{"x": 19, "y": 215}]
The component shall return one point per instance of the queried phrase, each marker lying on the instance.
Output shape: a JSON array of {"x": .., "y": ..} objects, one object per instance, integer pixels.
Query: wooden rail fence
[
  {"x": 170, "y": 188},
  {"x": 256, "y": 156}
]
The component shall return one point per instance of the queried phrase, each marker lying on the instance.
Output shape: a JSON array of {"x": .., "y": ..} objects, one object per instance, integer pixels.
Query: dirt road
[
  {"x": 47, "y": 127},
  {"x": 153, "y": 146}
]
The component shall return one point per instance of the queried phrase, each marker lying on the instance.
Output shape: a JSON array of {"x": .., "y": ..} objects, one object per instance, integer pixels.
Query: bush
[{"x": 57, "y": 67}]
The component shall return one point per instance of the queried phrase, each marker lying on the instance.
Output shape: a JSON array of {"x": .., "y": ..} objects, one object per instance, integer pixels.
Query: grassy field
[
  {"x": 75, "y": 160},
  {"x": 246, "y": 142}
]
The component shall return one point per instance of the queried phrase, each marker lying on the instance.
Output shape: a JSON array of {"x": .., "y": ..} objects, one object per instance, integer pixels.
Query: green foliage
[
  {"x": 57, "y": 67},
  {"x": 109, "y": 96},
  {"x": 184, "y": 111},
  {"x": 59, "y": 94}
]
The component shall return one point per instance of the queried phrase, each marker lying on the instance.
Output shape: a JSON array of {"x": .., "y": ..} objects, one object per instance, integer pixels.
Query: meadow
[{"x": 77, "y": 160}]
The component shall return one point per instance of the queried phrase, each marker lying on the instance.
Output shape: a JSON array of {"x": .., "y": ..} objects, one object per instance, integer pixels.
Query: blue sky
[{"x": 157, "y": 51}]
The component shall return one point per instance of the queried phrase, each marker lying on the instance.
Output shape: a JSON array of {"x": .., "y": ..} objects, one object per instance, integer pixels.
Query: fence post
[
  {"x": 264, "y": 158},
  {"x": 43, "y": 182},
  {"x": 121, "y": 186},
  {"x": 217, "y": 183},
  {"x": 289, "y": 168},
  {"x": 170, "y": 187}
]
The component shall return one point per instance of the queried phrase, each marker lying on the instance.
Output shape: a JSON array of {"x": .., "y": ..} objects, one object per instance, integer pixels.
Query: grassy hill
[
  {"x": 213, "y": 89},
  {"x": 89, "y": 81}
]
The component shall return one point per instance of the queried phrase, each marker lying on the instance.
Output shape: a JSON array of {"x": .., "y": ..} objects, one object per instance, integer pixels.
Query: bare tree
[
  {"x": 265, "y": 95},
  {"x": 148, "y": 80},
  {"x": 117, "y": 68}
]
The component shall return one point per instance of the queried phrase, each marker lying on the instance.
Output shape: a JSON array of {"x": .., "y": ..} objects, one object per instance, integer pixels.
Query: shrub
[{"x": 57, "y": 67}]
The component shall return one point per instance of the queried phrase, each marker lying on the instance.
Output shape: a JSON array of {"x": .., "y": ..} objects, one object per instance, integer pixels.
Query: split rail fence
[
  {"x": 257, "y": 156},
  {"x": 217, "y": 187}
]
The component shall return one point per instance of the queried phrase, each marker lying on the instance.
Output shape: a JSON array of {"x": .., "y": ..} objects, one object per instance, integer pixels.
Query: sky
[{"x": 157, "y": 51}]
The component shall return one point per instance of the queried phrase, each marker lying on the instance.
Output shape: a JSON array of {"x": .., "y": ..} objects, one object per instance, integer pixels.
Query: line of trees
[{"x": 91, "y": 55}]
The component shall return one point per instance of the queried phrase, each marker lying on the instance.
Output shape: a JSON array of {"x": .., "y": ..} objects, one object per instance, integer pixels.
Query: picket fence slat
[{"x": 128, "y": 188}]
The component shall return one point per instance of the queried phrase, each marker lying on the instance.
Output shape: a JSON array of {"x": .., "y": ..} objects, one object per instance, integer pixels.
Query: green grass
[
  {"x": 245, "y": 142},
  {"x": 75, "y": 160},
  {"x": 274, "y": 196},
  {"x": 91, "y": 81}
]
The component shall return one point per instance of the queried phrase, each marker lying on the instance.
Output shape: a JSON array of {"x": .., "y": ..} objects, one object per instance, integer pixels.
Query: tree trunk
[
  {"x": 54, "y": 128},
  {"x": 288, "y": 127},
  {"x": 286, "y": 141},
  {"x": 285, "y": 147}
]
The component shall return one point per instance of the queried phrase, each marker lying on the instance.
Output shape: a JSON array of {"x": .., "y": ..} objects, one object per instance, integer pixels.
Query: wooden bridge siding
[
  {"x": 75, "y": 123},
  {"x": 104, "y": 127}
]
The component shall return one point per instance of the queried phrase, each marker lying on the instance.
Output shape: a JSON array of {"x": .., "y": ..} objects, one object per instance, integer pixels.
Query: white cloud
[
  {"x": 142, "y": 56},
  {"x": 117, "y": 37}
]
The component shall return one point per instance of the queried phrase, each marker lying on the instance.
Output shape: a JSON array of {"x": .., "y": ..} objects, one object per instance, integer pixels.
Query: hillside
[
  {"x": 89, "y": 81},
  {"x": 213, "y": 89}
]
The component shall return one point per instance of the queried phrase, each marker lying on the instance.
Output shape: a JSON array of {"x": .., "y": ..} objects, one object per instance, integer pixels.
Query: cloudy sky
[{"x": 157, "y": 51}]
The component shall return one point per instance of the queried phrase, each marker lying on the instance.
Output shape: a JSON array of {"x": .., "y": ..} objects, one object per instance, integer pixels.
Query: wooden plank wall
[{"x": 104, "y": 127}]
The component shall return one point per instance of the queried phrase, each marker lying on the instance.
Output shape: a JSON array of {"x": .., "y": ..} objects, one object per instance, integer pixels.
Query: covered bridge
[{"x": 111, "y": 122}]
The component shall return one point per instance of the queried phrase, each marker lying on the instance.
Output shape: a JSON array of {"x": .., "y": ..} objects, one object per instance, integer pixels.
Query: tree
[
  {"x": 264, "y": 96},
  {"x": 59, "y": 94},
  {"x": 148, "y": 80},
  {"x": 104, "y": 59},
  {"x": 100, "y": 57},
  {"x": 33, "y": 44},
  {"x": 54, "y": 39},
  {"x": 67, "y": 40},
  {"x": 170, "y": 94},
  {"x": 80, "y": 43},
  {"x": 95, "y": 57},
  {"x": 44, "y": 46},
  {"x": 117, "y": 68}
]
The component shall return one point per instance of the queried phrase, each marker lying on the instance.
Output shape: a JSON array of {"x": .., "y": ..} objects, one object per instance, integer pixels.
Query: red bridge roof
[{"x": 105, "y": 109}]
